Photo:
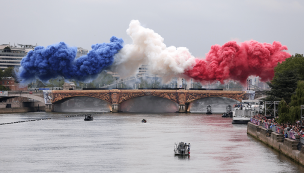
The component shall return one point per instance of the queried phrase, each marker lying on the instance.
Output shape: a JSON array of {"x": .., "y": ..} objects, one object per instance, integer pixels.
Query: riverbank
[
  {"x": 21, "y": 110},
  {"x": 277, "y": 141}
]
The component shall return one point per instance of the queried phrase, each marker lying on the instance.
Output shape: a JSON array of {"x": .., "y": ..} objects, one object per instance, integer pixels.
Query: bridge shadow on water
[
  {"x": 83, "y": 104},
  {"x": 149, "y": 104},
  {"x": 144, "y": 104}
]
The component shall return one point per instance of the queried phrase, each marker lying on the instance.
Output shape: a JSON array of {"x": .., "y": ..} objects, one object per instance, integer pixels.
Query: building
[
  {"x": 9, "y": 82},
  {"x": 69, "y": 86},
  {"x": 81, "y": 51},
  {"x": 11, "y": 55}
]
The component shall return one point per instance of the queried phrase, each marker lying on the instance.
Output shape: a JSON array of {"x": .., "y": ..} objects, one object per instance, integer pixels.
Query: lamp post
[{"x": 154, "y": 81}]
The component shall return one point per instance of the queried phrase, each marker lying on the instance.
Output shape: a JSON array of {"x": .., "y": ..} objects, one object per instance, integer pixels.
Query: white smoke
[{"x": 148, "y": 48}]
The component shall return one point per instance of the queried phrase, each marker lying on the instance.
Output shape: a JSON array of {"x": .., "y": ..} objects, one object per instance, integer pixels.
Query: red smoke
[{"x": 237, "y": 62}]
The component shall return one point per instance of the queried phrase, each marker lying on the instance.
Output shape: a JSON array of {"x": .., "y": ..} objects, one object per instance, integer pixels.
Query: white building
[
  {"x": 11, "y": 55},
  {"x": 81, "y": 51}
]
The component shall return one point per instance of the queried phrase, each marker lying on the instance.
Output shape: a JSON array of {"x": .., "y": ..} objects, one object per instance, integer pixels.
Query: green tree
[
  {"x": 91, "y": 85},
  {"x": 286, "y": 76},
  {"x": 297, "y": 98},
  {"x": 1, "y": 74},
  {"x": 291, "y": 112},
  {"x": 9, "y": 72},
  {"x": 294, "y": 63},
  {"x": 3, "y": 88},
  {"x": 197, "y": 85},
  {"x": 283, "y": 112},
  {"x": 283, "y": 86},
  {"x": 103, "y": 79}
]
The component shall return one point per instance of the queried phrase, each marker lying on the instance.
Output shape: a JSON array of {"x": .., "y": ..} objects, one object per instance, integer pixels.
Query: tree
[
  {"x": 9, "y": 72},
  {"x": 283, "y": 112},
  {"x": 3, "y": 88},
  {"x": 197, "y": 85},
  {"x": 297, "y": 99},
  {"x": 294, "y": 63},
  {"x": 91, "y": 85},
  {"x": 103, "y": 79},
  {"x": 232, "y": 85},
  {"x": 286, "y": 76},
  {"x": 291, "y": 113},
  {"x": 283, "y": 85}
]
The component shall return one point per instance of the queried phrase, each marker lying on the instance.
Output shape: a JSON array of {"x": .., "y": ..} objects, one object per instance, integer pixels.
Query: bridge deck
[{"x": 116, "y": 96}]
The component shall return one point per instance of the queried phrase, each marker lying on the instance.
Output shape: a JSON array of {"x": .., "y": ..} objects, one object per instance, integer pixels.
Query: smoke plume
[
  {"x": 238, "y": 62},
  {"x": 59, "y": 60},
  {"x": 229, "y": 61},
  {"x": 148, "y": 48}
]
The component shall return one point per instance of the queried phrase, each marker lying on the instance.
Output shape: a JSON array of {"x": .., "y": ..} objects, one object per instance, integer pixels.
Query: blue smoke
[{"x": 59, "y": 60}]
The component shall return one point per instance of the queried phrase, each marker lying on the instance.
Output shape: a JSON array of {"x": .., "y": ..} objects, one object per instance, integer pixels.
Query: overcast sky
[{"x": 195, "y": 24}]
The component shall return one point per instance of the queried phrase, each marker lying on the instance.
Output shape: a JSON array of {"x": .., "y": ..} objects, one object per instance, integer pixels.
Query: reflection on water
[
  {"x": 83, "y": 104},
  {"x": 182, "y": 157},
  {"x": 218, "y": 104},
  {"x": 122, "y": 143},
  {"x": 149, "y": 104}
]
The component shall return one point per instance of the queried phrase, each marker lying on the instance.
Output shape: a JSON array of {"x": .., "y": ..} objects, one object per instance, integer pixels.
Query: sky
[{"x": 195, "y": 24}]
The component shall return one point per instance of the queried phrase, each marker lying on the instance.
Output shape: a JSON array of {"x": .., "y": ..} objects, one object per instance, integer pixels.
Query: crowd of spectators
[{"x": 283, "y": 128}]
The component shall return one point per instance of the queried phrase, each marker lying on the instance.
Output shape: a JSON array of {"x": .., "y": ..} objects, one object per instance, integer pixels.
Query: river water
[{"x": 121, "y": 143}]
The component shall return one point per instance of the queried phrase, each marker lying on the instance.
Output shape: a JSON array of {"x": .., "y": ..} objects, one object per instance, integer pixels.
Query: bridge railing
[{"x": 24, "y": 92}]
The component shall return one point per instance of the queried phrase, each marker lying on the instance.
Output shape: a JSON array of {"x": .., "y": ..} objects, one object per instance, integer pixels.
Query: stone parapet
[
  {"x": 290, "y": 143},
  {"x": 265, "y": 132},
  {"x": 277, "y": 137},
  {"x": 277, "y": 141}
]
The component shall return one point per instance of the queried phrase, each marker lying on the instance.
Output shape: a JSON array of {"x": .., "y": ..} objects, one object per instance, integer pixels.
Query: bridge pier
[
  {"x": 49, "y": 108},
  {"x": 115, "y": 108},
  {"x": 182, "y": 108}
]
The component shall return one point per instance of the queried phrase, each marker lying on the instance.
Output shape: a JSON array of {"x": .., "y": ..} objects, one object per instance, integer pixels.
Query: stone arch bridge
[{"x": 115, "y": 96}]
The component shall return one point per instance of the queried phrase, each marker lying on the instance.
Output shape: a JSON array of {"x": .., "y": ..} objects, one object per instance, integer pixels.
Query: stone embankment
[
  {"x": 21, "y": 110},
  {"x": 277, "y": 141}
]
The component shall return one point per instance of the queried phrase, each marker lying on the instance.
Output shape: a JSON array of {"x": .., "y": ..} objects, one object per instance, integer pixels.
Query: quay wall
[
  {"x": 277, "y": 141},
  {"x": 21, "y": 109}
]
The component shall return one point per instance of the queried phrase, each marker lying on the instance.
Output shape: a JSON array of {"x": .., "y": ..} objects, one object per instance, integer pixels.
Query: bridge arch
[
  {"x": 151, "y": 104},
  {"x": 82, "y": 104},
  {"x": 235, "y": 95},
  {"x": 218, "y": 104}
]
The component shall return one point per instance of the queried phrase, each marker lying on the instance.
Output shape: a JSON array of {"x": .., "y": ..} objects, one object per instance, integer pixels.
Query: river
[{"x": 121, "y": 143}]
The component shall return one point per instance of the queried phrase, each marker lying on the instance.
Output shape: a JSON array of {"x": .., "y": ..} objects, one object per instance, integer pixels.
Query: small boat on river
[
  {"x": 182, "y": 149},
  {"x": 228, "y": 112},
  {"x": 88, "y": 117},
  {"x": 143, "y": 120}
]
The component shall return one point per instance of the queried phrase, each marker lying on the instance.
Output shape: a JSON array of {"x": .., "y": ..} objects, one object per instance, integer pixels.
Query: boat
[
  {"x": 246, "y": 110},
  {"x": 209, "y": 111},
  {"x": 143, "y": 121},
  {"x": 256, "y": 105},
  {"x": 88, "y": 117},
  {"x": 182, "y": 149},
  {"x": 228, "y": 112}
]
